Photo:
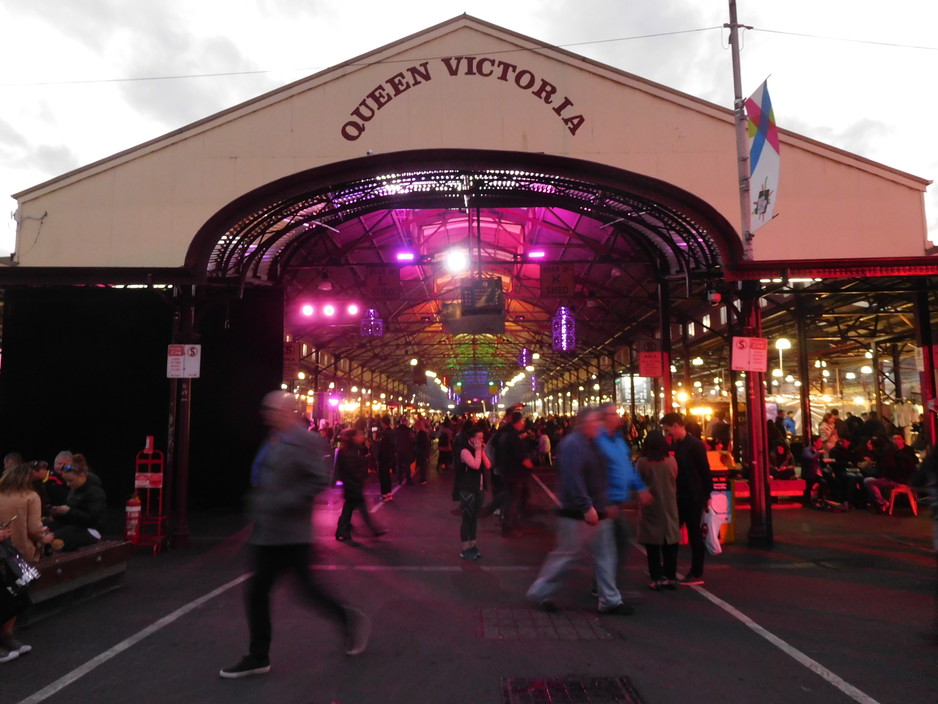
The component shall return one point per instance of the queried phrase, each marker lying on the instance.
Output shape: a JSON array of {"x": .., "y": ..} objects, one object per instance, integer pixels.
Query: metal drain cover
[{"x": 575, "y": 690}]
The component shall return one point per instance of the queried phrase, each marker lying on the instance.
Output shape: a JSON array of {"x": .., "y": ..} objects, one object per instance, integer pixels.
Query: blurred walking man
[
  {"x": 581, "y": 521},
  {"x": 290, "y": 472}
]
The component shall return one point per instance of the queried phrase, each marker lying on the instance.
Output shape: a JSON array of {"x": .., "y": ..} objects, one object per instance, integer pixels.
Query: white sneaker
[
  {"x": 7, "y": 655},
  {"x": 8, "y": 642}
]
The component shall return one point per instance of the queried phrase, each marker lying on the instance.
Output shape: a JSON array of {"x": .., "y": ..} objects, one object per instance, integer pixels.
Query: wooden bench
[
  {"x": 777, "y": 488},
  {"x": 88, "y": 571}
]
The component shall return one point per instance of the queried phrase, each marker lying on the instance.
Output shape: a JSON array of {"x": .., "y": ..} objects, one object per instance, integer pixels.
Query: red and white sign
[
  {"x": 148, "y": 480},
  {"x": 183, "y": 361},
  {"x": 650, "y": 359},
  {"x": 750, "y": 354}
]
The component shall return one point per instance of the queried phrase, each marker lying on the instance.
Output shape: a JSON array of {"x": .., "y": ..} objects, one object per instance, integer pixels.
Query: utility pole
[{"x": 742, "y": 134}]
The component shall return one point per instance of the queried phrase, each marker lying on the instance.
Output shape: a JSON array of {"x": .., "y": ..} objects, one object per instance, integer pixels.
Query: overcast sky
[{"x": 64, "y": 104}]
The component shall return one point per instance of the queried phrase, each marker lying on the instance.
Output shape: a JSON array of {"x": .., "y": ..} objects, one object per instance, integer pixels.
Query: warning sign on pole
[
  {"x": 183, "y": 361},
  {"x": 291, "y": 361},
  {"x": 650, "y": 359},
  {"x": 750, "y": 354}
]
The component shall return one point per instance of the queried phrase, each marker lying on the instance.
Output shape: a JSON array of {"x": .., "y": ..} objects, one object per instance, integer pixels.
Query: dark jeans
[
  {"x": 662, "y": 561},
  {"x": 470, "y": 503},
  {"x": 517, "y": 487},
  {"x": 422, "y": 462},
  {"x": 403, "y": 469},
  {"x": 385, "y": 466},
  {"x": 689, "y": 514},
  {"x": 354, "y": 502},
  {"x": 269, "y": 562},
  {"x": 74, "y": 536}
]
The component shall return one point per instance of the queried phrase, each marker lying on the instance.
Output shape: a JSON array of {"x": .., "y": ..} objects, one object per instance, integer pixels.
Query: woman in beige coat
[
  {"x": 21, "y": 510},
  {"x": 659, "y": 529}
]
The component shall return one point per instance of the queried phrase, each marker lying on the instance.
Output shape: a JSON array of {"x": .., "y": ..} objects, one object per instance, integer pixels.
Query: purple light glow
[
  {"x": 308, "y": 310},
  {"x": 353, "y": 309},
  {"x": 328, "y": 310},
  {"x": 564, "y": 330},
  {"x": 405, "y": 256},
  {"x": 537, "y": 254},
  {"x": 333, "y": 401}
]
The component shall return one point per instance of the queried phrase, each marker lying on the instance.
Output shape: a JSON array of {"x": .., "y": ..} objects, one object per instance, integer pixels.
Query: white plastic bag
[{"x": 710, "y": 527}]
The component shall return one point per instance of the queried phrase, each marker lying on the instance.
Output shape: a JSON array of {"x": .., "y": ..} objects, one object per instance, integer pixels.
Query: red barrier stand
[{"x": 148, "y": 483}]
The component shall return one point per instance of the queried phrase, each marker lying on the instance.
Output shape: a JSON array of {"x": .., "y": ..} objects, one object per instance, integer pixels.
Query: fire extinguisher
[{"x": 132, "y": 525}]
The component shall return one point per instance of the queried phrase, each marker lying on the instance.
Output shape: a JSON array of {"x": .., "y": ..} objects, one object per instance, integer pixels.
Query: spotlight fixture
[{"x": 325, "y": 284}]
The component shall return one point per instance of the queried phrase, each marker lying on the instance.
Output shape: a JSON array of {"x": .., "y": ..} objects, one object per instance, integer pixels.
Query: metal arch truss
[{"x": 260, "y": 246}]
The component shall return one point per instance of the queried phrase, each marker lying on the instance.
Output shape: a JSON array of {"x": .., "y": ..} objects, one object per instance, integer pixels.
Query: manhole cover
[{"x": 579, "y": 690}]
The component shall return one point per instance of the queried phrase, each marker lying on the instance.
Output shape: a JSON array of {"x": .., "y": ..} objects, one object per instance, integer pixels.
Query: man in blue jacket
[
  {"x": 582, "y": 524},
  {"x": 625, "y": 484},
  {"x": 290, "y": 473}
]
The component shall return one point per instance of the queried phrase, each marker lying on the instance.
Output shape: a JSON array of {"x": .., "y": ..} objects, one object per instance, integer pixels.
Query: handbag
[
  {"x": 16, "y": 574},
  {"x": 710, "y": 527}
]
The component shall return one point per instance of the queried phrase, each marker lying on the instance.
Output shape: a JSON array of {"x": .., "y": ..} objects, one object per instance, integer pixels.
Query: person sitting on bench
[{"x": 79, "y": 521}]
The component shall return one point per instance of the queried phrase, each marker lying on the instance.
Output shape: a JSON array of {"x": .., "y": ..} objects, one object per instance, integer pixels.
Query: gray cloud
[{"x": 53, "y": 159}]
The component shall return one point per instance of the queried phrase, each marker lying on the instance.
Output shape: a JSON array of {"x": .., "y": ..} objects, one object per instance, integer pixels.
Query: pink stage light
[
  {"x": 353, "y": 309},
  {"x": 333, "y": 401},
  {"x": 308, "y": 310},
  {"x": 537, "y": 254},
  {"x": 405, "y": 256},
  {"x": 329, "y": 310}
]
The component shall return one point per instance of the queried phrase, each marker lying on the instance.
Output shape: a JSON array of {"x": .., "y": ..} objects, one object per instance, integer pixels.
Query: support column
[
  {"x": 632, "y": 380},
  {"x": 804, "y": 371},
  {"x": 897, "y": 373},
  {"x": 925, "y": 339},
  {"x": 664, "y": 323},
  {"x": 877, "y": 381},
  {"x": 183, "y": 424},
  {"x": 760, "y": 527}
]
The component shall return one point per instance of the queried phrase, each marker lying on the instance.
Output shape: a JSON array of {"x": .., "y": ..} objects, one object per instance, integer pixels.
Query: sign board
[
  {"x": 183, "y": 361},
  {"x": 557, "y": 280},
  {"x": 383, "y": 283},
  {"x": 481, "y": 296},
  {"x": 291, "y": 361},
  {"x": 750, "y": 354},
  {"x": 148, "y": 480},
  {"x": 650, "y": 359}
]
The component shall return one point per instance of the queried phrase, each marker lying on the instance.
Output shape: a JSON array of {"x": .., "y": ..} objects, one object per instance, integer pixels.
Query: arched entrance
[{"x": 622, "y": 241}]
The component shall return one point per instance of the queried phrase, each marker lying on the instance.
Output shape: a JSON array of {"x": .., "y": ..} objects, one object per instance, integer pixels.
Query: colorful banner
[{"x": 763, "y": 157}]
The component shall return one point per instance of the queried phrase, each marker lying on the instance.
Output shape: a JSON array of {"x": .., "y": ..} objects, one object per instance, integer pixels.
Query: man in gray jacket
[{"x": 289, "y": 471}]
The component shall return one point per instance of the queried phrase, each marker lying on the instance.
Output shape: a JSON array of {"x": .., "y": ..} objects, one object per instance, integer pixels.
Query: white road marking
[
  {"x": 790, "y": 650},
  {"x": 111, "y": 653}
]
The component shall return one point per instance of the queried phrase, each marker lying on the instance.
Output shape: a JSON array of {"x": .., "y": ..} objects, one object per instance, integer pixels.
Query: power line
[
  {"x": 225, "y": 74},
  {"x": 317, "y": 68},
  {"x": 846, "y": 39}
]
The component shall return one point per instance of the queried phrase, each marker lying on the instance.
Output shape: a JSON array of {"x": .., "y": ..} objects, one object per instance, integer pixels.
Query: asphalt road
[{"x": 838, "y": 612}]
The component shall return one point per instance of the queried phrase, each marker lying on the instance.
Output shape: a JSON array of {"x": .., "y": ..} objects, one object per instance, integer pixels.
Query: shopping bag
[
  {"x": 710, "y": 527},
  {"x": 15, "y": 573}
]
